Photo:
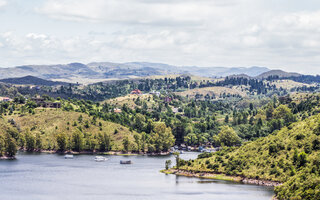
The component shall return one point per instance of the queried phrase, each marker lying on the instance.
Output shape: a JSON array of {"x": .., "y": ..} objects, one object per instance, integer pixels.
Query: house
[
  {"x": 167, "y": 99},
  {"x": 175, "y": 110},
  {"x": 5, "y": 99},
  {"x": 136, "y": 91},
  {"x": 117, "y": 110},
  {"x": 39, "y": 101},
  {"x": 46, "y": 104},
  {"x": 155, "y": 93},
  {"x": 51, "y": 105}
]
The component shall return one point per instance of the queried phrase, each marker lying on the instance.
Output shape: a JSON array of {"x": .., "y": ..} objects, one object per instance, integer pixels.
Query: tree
[
  {"x": 227, "y": 137},
  {"x": 2, "y": 145},
  {"x": 302, "y": 159},
  {"x": 62, "y": 141},
  {"x": 139, "y": 122},
  {"x": 137, "y": 141},
  {"x": 38, "y": 141},
  {"x": 226, "y": 119},
  {"x": 30, "y": 141},
  {"x": 126, "y": 143},
  {"x": 162, "y": 137},
  {"x": 168, "y": 164},
  {"x": 283, "y": 112},
  {"x": 77, "y": 137},
  {"x": 104, "y": 142},
  {"x": 143, "y": 141},
  {"x": 191, "y": 139},
  {"x": 269, "y": 111},
  {"x": 11, "y": 149},
  {"x": 179, "y": 132},
  {"x": 80, "y": 118},
  {"x": 251, "y": 106},
  {"x": 177, "y": 156}
]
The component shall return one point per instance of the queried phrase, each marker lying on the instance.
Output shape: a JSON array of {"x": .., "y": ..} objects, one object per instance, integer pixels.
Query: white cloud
[
  {"x": 3, "y": 3},
  {"x": 130, "y": 11},
  {"x": 180, "y": 32}
]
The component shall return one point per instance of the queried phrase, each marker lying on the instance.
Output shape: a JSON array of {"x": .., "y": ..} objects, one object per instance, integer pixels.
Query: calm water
[{"x": 50, "y": 176}]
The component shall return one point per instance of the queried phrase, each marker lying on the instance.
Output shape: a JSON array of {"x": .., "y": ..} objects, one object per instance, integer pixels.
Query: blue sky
[{"x": 281, "y": 34}]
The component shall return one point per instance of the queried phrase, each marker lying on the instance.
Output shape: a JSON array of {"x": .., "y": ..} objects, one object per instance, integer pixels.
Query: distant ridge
[
  {"x": 79, "y": 72},
  {"x": 31, "y": 80},
  {"x": 240, "y": 76},
  {"x": 280, "y": 73}
]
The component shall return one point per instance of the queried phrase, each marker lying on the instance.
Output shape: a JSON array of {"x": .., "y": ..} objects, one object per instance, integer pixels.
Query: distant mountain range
[
  {"x": 76, "y": 72},
  {"x": 31, "y": 80}
]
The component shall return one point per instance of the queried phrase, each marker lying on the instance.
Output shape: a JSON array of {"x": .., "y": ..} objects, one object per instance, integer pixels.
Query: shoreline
[
  {"x": 116, "y": 153},
  {"x": 217, "y": 176},
  {"x": 7, "y": 158}
]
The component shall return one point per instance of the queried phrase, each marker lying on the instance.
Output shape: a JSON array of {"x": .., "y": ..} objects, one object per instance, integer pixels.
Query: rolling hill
[
  {"x": 31, "y": 80},
  {"x": 279, "y": 73},
  {"x": 48, "y": 123}
]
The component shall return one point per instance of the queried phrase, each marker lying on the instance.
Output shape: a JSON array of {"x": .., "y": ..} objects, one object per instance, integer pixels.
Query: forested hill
[{"x": 290, "y": 156}]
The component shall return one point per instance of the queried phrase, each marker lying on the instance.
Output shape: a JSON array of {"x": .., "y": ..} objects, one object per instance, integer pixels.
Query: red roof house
[{"x": 136, "y": 91}]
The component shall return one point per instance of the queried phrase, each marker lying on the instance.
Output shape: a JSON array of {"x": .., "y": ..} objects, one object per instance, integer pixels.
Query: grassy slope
[
  {"x": 288, "y": 84},
  {"x": 130, "y": 100},
  {"x": 45, "y": 121},
  {"x": 272, "y": 158},
  {"x": 212, "y": 90}
]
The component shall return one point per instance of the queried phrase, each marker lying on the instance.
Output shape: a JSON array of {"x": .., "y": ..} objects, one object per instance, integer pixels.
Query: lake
[{"x": 51, "y": 177}]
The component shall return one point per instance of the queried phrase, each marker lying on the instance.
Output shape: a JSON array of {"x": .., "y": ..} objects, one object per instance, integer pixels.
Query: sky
[{"x": 278, "y": 34}]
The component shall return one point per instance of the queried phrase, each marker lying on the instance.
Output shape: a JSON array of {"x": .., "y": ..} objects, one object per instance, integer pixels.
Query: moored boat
[
  {"x": 68, "y": 156},
  {"x": 100, "y": 159},
  {"x": 125, "y": 162}
]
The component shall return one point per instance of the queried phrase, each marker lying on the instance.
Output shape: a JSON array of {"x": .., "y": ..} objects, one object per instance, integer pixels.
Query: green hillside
[
  {"x": 48, "y": 123},
  {"x": 290, "y": 156},
  {"x": 55, "y": 129}
]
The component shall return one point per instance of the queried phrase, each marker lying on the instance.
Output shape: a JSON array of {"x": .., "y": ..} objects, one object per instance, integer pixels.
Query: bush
[{"x": 205, "y": 155}]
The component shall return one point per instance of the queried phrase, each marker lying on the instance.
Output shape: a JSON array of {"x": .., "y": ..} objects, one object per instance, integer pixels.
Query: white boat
[
  {"x": 68, "y": 156},
  {"x": 100, "y": 159}
]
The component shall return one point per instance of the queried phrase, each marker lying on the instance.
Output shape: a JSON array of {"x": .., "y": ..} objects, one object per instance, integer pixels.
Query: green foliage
[
  {"x": 177, "y": 156},
  {"x": 30, "y": 141},
  {"x": 104, "y": 142},
  {"x": 62, "y": 141},
  {"x": 78, "y": 141},
  {"x": 279, "y": 157},
  {"x": 227, "y": 137},
  {"x": 126, "y": 144},
  {"x": 11, "y": 146},
  {"x": 205, "y": 155},
  {"x": 168, "y": 164},
  {"x": 161, "y": 137}
]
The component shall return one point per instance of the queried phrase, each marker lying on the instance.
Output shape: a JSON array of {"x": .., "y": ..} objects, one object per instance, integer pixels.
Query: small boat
[
  {"x": 100, "y": 159},
  {"x": 124, "y": 162},
  {"x": 68, "y": 156}
]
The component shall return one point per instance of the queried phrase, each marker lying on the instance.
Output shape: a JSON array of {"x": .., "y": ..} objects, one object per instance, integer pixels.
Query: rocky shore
[
  {"x": 209, "y": 175},
  {"x": 260, "y": 182}
]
